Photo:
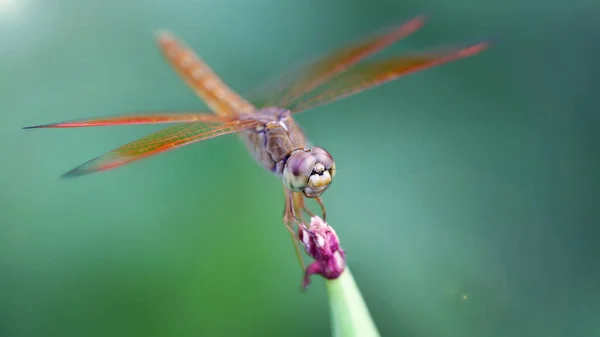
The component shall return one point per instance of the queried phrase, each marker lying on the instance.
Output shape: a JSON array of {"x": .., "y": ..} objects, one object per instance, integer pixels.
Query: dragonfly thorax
[{"x": 280, "y": 146}]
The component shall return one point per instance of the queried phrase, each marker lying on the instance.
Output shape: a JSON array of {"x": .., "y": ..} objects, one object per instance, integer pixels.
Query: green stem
[{"x": 349, "y": 314}]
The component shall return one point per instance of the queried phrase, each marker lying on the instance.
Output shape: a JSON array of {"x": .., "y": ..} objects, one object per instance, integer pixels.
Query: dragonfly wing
[
  {"x": 200, "y": 77},
  {"x": 135, "y": 118},
  {"x": 164, "y": 140},
  {"x": 371, "y": 74},
  {"x": 283, "y": 92}
]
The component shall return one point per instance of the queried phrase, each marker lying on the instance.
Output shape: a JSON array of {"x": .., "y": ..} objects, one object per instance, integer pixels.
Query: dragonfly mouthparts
[{"x": 319, "y": 169}]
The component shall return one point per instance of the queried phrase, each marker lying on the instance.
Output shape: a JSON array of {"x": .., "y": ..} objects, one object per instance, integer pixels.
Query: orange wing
[
  {"x": 198, "y": 75},
  {"x": 289, "y": 87},
  {"x": 135, "y": 118},
  {"x": 161, "y": 141},
  {"x": 375, "y": 73}
]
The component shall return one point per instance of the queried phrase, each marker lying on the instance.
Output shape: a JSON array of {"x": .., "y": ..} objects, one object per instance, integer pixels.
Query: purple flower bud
[{"x": 322, "y": 243}]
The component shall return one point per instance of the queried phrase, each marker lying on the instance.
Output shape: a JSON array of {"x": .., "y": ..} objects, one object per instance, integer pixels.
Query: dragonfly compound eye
[
  {"x": 298, "y": 169},
  {"x": 322, "y": 173}
]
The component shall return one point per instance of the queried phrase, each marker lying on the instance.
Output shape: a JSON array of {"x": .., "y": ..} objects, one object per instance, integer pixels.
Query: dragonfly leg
[
  {"x": 289, "y": 217},
  {"x": 301, "y": 205},
  {"x": 320, "y": 201}
]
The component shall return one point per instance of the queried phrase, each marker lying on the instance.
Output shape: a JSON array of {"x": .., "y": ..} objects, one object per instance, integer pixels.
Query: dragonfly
[{"x": 266, "y": 123}]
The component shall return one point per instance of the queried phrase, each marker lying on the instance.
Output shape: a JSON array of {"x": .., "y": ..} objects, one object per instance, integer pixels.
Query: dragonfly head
[{"x": 309, "y": 170}]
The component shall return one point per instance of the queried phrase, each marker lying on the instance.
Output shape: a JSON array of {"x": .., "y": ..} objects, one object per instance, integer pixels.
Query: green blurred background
[{"x": 467, "y": 196}]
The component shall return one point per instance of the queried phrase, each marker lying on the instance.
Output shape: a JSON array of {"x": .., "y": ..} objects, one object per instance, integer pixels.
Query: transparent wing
[
  {"x": 283, "y": 92},
  {"x": 375, "y": 73},
  {"x": 161, "y": 141},
  {"x": 135, "y": 118}
]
